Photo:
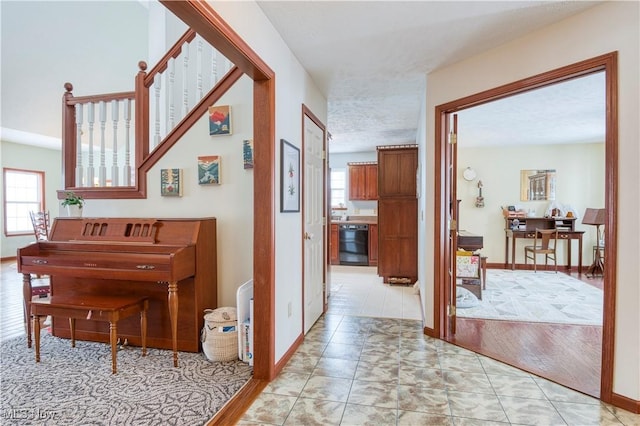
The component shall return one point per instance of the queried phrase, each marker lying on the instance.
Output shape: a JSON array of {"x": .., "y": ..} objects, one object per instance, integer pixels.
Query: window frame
[
  {"x": 41, "y": 176},
  {"x": 344, "y": 188}
]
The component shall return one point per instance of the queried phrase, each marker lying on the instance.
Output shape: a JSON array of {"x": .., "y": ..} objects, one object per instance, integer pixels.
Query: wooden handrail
[
  {"x": 144, "y": 155},
  {"x": 175, "y": 50},
  {"x": 72, "y": 100}
]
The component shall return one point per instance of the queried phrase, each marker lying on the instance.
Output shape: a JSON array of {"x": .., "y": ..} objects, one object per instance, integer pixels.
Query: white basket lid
[{"x": 221, "y": 314}]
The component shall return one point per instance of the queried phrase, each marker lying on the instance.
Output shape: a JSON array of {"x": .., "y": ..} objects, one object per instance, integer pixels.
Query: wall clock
[{"x": 469, "y": 174}]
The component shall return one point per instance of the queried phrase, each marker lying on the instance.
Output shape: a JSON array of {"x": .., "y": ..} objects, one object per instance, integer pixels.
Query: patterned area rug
[
  {"x": 74, "y": 386},
  {"x": 535, "y": 297}
]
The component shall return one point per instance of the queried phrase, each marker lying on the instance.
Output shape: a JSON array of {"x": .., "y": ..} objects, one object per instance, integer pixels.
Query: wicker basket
[{"x": 217, "y": 344}]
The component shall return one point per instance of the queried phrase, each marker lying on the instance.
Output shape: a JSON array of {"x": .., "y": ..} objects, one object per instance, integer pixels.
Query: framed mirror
[{"x": 537, "y": 185}]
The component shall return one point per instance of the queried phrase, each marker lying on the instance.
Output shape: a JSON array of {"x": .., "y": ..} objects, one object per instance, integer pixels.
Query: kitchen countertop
[{"x": 357, "y": 220}]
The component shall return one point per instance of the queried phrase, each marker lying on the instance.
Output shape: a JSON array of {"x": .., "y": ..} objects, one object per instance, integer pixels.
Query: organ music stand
[{"x": 595, "y": 217}]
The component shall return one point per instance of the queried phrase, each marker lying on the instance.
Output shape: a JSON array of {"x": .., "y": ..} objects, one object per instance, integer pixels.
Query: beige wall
[
  {"x": 29, "y": 157},
  {"x": 580, "y": 184},
  {"x": 612, "y": 26},
  {"x": 231, "y": 202}
]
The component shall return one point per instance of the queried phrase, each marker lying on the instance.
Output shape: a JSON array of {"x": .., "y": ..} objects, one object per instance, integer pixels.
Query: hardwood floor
[{"x": 566, "y": 354}]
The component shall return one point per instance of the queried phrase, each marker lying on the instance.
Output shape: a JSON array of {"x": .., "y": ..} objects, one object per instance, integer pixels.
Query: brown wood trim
[
  {"x": 431, "y": 332},
  {"x": 625, "y": 403},
  {"x": 439, "y": 230},
  {"x": 173, "y": 52},
  {"x": 106, "y": 97},
  {"x": 607, "y": 63},
  {"x": 290, "y": 352},
  {"x": 234, "y": 409},
  {"x": 200, "y": 16},
  {"x": 206, "y": 22},
  {"x": 190, "y": 119},
  {"x": 264, "y": 227},
  {"x": 68, "y": 138},
  {"x": 8, "y": 258},
  {"x": 610, "y": 64},
  {"x": 103, "y": 193},
  {"x": 141, "y": 133}
]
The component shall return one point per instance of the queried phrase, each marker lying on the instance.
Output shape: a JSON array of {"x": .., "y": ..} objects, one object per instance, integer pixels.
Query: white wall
[
  {"x": 580, "y": 184},
  {"x": 612, "y": 26},
  {"x": 231, "y": 202},
  {"x": 18, "y": 156},
  {"x": 86, "y": 42}
]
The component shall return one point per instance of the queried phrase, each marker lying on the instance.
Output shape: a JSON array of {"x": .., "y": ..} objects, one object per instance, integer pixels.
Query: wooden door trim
[
  {"x": 607, "y": 63},
  {"x": 200, "y": 16}
]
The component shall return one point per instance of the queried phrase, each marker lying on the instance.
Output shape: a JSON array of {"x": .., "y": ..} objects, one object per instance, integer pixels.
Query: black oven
[{"x": 354, "y": 245}]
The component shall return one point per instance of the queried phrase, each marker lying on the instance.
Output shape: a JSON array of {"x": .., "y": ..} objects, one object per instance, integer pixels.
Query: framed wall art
[
  {"x": 247, "y": 153},
  {"x": 209, "y": 170},
  {"x": 289, "y": 177},
  {"x": 220, "y": 120},
  {"x": 171, "y": 182}
]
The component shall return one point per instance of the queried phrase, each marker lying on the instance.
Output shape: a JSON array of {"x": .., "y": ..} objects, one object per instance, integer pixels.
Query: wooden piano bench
[{"x": 91, "y": 307}]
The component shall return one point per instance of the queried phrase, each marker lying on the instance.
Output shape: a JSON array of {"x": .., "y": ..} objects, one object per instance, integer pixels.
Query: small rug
[
  {"x": 74, "y": 386},
  {"x": 535, "y": 297}
]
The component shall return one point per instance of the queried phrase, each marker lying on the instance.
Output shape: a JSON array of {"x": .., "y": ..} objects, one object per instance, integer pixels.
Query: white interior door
[{"x": 313, "y": 145}]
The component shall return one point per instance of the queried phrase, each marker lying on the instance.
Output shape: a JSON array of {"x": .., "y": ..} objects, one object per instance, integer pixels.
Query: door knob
[{"x": 308, "y": 236}]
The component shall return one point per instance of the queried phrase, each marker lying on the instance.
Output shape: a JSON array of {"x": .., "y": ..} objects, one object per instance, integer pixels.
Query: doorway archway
[{"x": 606, "y": 63}]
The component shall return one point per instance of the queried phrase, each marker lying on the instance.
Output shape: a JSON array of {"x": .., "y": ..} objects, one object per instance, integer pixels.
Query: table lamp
[{"x": 595, "y": 217}]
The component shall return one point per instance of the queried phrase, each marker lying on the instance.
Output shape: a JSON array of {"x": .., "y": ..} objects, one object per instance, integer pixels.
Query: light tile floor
[{"x": 357, "y": 369}]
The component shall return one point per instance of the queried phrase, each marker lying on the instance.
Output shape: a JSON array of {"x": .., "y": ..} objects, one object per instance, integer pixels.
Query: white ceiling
[{"x": 370, "y": 59}]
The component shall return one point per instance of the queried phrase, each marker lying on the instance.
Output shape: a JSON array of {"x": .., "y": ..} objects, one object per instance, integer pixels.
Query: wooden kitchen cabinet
[
  {"x": 334, "y": 245},
  {"x": 363, "y": 181},
  {"x": 397, "y": 176},
  {"x": 397, "y": 214},
  {"x": 373, "y": 245}
]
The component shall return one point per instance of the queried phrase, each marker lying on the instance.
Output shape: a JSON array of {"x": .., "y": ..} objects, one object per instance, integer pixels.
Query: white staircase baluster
[
  {"x": 185, "y": 80},
  {"x": 102, "y": 170},
  {"x": 127, "y": 143},
  {"x": 90, "y": 170},
  {"x": 199, "y": 91},
  {"x": 170, "y": 89},
  {"x": 79, "y": 169},
  {"x": 157, "y": 85},
  {"x": 214, "y": 67},
  {"x": 115, "y": 116}
]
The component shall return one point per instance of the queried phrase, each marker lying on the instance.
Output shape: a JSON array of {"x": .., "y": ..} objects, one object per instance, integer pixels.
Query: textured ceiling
[{"x": 370, "y": 60}]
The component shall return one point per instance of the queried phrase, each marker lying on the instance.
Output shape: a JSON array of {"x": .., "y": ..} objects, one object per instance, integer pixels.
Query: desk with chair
[{"x": 525, "y": 227}]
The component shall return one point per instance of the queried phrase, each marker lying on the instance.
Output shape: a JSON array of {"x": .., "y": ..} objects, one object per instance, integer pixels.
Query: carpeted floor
[
  {"x": 75, "y": 386},
  {"x": 536, "y": 297}
]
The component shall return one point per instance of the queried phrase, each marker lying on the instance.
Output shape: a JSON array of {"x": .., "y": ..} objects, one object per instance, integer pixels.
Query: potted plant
[{"x": 73, "y": 203}]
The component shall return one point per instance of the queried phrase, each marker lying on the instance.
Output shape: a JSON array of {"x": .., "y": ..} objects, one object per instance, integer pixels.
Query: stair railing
[{"x": 99, "y": 158}]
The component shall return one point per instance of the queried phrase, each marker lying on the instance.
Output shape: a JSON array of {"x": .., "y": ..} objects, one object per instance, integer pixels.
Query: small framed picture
[
  {"x": 289, "y": 177},
  {"x": 171, "y": 182},
  {"x": 247, "y": 153},
  {"x": 220, "y": 120},
  {"x": 209, "y": 170}
]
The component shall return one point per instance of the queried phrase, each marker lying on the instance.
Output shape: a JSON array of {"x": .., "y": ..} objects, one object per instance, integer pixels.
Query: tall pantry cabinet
[{"x": 398, "y": 214}]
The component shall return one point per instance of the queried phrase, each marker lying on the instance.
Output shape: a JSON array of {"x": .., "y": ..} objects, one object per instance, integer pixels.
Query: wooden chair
[
  {"x": 40, "y": 222},
  {"x": 41, "y": 227},
  {"x": 544, "y": 242}
]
